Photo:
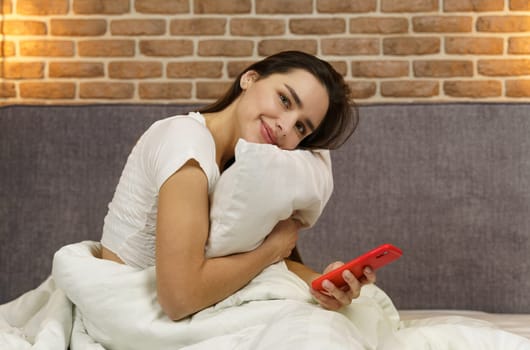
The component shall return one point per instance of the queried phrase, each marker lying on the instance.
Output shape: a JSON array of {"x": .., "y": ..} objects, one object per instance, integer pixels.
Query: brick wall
[{"x": 158, "y": 51}]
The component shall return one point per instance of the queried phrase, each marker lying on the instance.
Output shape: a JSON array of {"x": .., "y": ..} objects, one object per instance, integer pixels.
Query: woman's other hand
[
  {"x": 334, "y": 298},
  {"x": 282, "y": 238}
]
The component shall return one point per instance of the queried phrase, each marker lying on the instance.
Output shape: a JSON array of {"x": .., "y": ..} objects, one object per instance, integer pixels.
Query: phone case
[{"x": 375, "y": 258}]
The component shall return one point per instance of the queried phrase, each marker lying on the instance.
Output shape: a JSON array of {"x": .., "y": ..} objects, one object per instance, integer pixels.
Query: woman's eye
[
  {"x": 285, "y": 101},
  {"x": 301, "y": 128}
]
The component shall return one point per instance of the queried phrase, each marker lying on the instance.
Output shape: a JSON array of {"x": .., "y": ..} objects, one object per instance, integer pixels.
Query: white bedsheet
[
  {"x": 514, "y": 323},
  {"x": 89, "y": 303}
]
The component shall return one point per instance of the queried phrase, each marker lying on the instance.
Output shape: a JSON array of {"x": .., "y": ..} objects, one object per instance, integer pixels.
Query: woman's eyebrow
[
  {"x": 295, "y": 95},
  {"x": 299, "y": 104}
]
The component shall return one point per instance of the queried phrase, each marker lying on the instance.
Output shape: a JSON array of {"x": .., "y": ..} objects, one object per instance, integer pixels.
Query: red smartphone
[{"x": 375, "y": 258}]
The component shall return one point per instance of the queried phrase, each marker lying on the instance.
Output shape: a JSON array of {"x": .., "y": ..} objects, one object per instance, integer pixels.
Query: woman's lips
[{"x": 267, "y": 133}]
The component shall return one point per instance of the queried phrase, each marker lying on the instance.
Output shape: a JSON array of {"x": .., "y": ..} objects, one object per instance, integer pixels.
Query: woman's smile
[{"x": 267, "y": 133}]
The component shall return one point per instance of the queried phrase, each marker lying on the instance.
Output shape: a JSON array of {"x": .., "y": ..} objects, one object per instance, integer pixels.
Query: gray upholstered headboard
[{"x": 448, "y": 183}]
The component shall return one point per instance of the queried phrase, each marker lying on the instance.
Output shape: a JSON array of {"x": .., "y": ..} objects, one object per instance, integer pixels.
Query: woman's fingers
[
  {"x": 333, "y": 266},
  {"x": 369, "y": 274},
  {"x": 353, "y": 284},
  {"x": 326, "y": 301},
  {"x": 333, "y": 298}
]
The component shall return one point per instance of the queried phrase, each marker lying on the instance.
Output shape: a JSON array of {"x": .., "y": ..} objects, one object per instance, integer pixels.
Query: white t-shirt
[{"x": 130, "y": 225}]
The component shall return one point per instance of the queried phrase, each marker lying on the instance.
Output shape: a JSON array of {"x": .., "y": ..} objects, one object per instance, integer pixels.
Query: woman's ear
[{"x": 248, "y": 78}]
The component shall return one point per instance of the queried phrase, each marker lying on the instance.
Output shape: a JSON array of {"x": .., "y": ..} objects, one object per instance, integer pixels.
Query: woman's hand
[
  {"x": 334, "y": 298},
  {"x": 282, "y": 238}
]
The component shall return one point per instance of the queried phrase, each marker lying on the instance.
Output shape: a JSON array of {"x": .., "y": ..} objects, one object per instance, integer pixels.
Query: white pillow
[{"x": 265, "y": 185}]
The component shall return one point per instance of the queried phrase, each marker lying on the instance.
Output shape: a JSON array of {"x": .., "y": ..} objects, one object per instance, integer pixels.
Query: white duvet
[{"x": 89, "y": 303}]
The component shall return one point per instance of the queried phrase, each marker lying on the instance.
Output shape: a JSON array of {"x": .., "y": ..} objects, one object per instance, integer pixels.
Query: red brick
[
  {"x": 78, "y": 27},
  {"x": 442, "y": 69},
  {"x": 503, "y": 24},
  {"x": 272, "y": 46},
  {"x": 504, "y": 67},
  {"x": 198, "y": 26},
  {"x": 411, "y": 45},
  {"x": 350, "y": 6},
  {"x": 519, "y": 45},
  {"x": 350, "y": 46},
  {"x": 518, "y": 88},
  {"x": 135, "y": 70},
  {"x": 474, "y": 46},
  {"x": 519, "y": 5},
  {"x": 409, "y": 5},
  {"x": 138, "y": 27},
  {"x": 195, "y": 69},
  {"x": 282, "y": 6},
  {"x": 7, "y": 90},
  {"x": 211, "y": 90},
  {"x": 90, "y": 7},
  {"x": 256, "y": 27},
  {"x": 442, "y": 24},
  {"x": 473, "y": 5},
  {"x": 47, "y": 90},
  {"x": 106, "y": 48},
  {"x": 23, "y": 70},
  {"x": 20, "y": 27},
  {"x": 47, "y": 48},
  {"x": 379, "y": 25},
  {"x": 167, "y": 48},
  {"x": 164, "y": 91},
  {"x": 76, "y": 69},
  {"x": 7, "y": 49},
  {"x": 234, "y": 68},
  {"x": 380, "y": 69},
  {"x": 409, "y": 88},
  {"x": 321, "y": 26},
  {"x": 6, "y": 7},
  {"x": 340, "y": 66},
  {"x": 223, "y": 7},
  {"x": 229, "y": 48},
  {"x": 473, "y": 89},
  {"x": 106, "y": 90},
  {"x": 42, "y": 7},
  {"x": 362, "y": 89},
  {"x": 162, "y": 6}
]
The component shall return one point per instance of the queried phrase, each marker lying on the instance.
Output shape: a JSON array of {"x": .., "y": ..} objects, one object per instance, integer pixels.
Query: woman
[{"x": 160, "y": 212}]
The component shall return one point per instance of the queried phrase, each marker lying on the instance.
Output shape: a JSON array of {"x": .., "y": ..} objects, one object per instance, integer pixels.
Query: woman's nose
[{"x": 285, "y": 123}]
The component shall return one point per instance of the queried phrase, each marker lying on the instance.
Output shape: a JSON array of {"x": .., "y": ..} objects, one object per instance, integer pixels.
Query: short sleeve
[{"x": 168, "y": 144}]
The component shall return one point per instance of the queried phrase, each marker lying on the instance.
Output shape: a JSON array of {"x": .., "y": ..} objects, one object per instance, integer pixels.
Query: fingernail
[
  {"x": 368, "y": 269},
  {"x": 347, "y": 275},
  {"x": 327, "y": 285}
]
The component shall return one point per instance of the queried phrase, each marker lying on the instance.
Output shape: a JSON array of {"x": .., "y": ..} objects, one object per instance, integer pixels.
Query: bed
[{"x": 449, "y": 183}]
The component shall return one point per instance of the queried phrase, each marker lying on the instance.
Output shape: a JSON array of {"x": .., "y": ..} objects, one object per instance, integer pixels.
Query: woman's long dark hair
[{"x": 341, "y": 118}]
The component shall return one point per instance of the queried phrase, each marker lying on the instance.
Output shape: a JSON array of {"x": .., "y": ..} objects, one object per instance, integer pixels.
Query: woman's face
[{"x": 280, "y": 109}]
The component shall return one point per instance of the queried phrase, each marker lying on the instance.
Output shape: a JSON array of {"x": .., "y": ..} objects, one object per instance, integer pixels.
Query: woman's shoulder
[
  {"x": 188, "y": 129},
  {"x": 171, "y": 141},
  {"x": 193, "y": 121}
]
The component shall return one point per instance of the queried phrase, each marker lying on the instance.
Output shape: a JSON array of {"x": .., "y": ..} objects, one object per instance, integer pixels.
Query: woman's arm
[
  {"x": 304, "y": 272},
  {"x": 186, "y": 281}
]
